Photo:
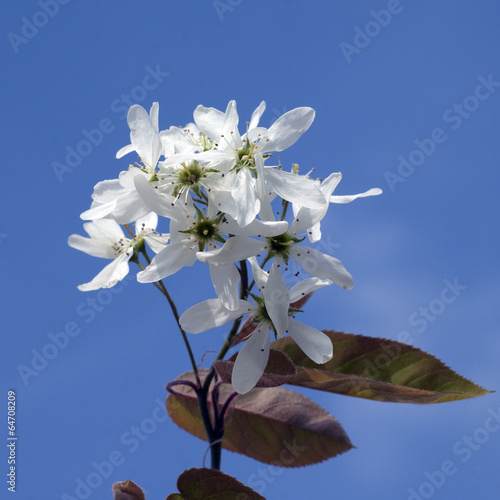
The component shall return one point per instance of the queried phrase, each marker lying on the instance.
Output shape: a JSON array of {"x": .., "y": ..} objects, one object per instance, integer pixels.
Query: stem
[
  {"x": 163, "y": 289},
  {"x": 285, "y": 208},
  {"x": 216, "y": 432}
]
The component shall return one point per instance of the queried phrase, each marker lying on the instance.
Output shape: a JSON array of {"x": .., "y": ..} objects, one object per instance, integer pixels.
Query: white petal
[
  {"x": 157, "y": 241},
  {"x": 259, "y": 275},
  {"x": 309, "y": 218},
  {"x": 215, "y": 156},
  {"x": 230, "y": 126},
  {"x": 306, "y": 286},
  {"x": 314, "y": 232},
  {"x": 328, "y": 185},
  {"x": 235, "y": 249},
  {"x": 115, "y": 271},
  {"x": 252, "y": 360},
  {"x": 98, "y": 210},
  {"x": 129, "y": 207},
  {"x": 126, "y": 178},
  {"x": 295, "y": 188},
  {"x": 104, "y": 233},
  {"x": 125, "y": 150},
  {"x": 255, "y": 228},
  {"x": 107, "y": 190},
  {"x": 287, "y": 129},
  {"x": 144, "y": 135},
  {"x": 322, "y": 266},
  {"x": 349, "y": 198},
  {"x": 153, "y": 113},
  {"x": 90, "y": 246},
  {"x": 170, "y": 260},
  {"x": 243, "y": 193},
  {"x": 226, "y": 280},
  {"x": 277, "y": 298},
  {"x": 148, "y": 222},
  {"x": 315, "y": 344},
  {"x": 254, "y": 121},
  {"x": 306, "y": 218},
  {"x": 106, "y": 230},
  {"x": 255, "y": 134},
  {"x": 162, "y": 204},
  {"x": 209, "y": 120},
  {"x": 264, "y": 192},
  {"x": 211, "y": 313},
  {"x": 174, "y": 140},
  {"x": 220, "y": 196}
]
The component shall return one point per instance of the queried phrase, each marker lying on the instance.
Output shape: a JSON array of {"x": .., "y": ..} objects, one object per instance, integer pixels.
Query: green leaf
[
  {"x": 202, "y": 484},
  {"x": 272, "y": 425},
  {"x": 379, "y": 369}
]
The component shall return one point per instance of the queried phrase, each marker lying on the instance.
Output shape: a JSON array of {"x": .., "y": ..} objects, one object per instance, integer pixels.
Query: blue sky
[{"x": 407, "y": 98}]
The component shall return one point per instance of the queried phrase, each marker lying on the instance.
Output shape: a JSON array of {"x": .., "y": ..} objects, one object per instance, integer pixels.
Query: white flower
[
  {"x": 174, "y": 184},
  {"x": 118, "y": 199},
  {"x": 108, "y": 241},
  {"x": 235, "y": 156},
  {"x": 285, "y": 245},
  {"x": 189, "y": 139},
  {"x": 144, "y": 136},
  {"x": 271, "y": 311},
  {"x": 193, "y": 236}
]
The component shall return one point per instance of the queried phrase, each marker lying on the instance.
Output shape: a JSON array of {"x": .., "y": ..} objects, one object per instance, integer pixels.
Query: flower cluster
[{"x": 225, "y": 207}]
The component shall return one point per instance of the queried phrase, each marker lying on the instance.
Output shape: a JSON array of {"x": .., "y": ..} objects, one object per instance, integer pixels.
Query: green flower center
[
  {"x": 280, "y": 246},
  {"x": 189, "y": 174},
  {"x": 261, "y": 315},
  {"x": 205, "y": 230},
  {"x": 246, "y": 158}
]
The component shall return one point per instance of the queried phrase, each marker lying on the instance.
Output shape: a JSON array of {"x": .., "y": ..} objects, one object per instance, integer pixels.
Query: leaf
[
  {"x": 379, "y": 369},
  {"x": 279, "y": 369},
  {"x": 127, "y": 490},
  {"x": 273, "y": 425},
  {"x": 201, "y": 484}
]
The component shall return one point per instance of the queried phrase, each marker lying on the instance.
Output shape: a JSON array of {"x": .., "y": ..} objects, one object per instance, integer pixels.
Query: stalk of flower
[{"x": 216, "y": 192}]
